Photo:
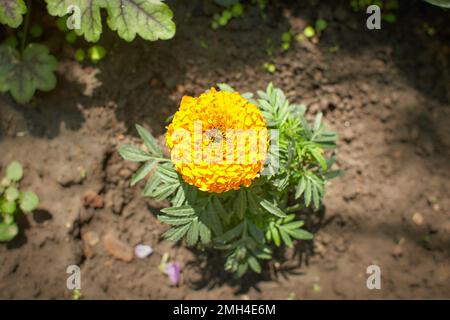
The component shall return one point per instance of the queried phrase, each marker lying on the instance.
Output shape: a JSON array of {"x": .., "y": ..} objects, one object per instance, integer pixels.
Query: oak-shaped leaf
[
  {"x": 11, "y": 12},
  {"x": 23, "y": 74},
  {"x": 150, "y": 19}
]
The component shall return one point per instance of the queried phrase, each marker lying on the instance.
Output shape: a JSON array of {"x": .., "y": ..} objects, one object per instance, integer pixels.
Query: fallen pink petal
[
  {"x": 173, "y": 270},
  {"x": 142, "y": 251}
]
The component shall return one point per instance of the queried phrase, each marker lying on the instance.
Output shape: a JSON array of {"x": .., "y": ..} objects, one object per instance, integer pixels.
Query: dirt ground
[{"x": 385, "y": 92}]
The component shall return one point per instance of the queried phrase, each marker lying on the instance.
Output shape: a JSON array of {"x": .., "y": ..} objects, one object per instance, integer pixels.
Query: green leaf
[
  {"x": 150, "y": 19},
  {"x": 205, "y": 233},
  {"x": 225, "y": 87},
  {"x": 254, "y": 264},
  {"x": 8, "y": 231},
  {"x": 179, "y": 198},
  {"x": 272, "y": 209},
  {"x": 211, "y": 218},
  {"x": 308, "y": 192},
  {"x": 28, "y": 201},
  {"x": 175, "y": 221},
  {"x": 142, "y": 172},
  {"x": 11, "y": 194},
  {"x": 165, "y": 191},
  {"x": 14, "y": 171},
  {"x": 275, "y": 236},
  {"x": 176, "y": 233},
  {"x": 300, "y": 188},
  {"x": 179, "y": 211},
  {"x": 149, "y": 140},
  {"x": 152, "y": 183},
  {"x": 440, "y": 3},
  {"x": 231, "y": 234},
  {"x": 168, "y": 175},
  {"x": 240, "y": 206},
  {"x": 8, "y": 207},
  {"x": 286, "y": 238},
  {"x": 23, "y": 74},
  {"x": 133, "y": 153},
  {"x": 300, "y": 234},
  {"x": 11, "y": 12},
  {"x": 193, "y": 233}
]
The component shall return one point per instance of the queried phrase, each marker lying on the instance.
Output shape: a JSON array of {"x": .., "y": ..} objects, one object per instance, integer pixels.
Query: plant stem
[{"x": 25, "y": 28}]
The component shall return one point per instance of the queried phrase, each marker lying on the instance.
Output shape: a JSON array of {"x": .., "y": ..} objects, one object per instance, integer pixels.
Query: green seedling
[
  {"x": 96, "y": 53},
  {"x": 79, "y": 55},
  {"x": 13, "y": 200}
]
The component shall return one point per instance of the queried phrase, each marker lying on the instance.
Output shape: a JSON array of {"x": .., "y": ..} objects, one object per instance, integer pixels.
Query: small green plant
[
  {"x": 245, "y": 221},
  {"x": 234, "y": 9},
  {"x": 286, "y": 39},
  {"x": 26, "y": 66},
  {"x": 12, "y": 200}
]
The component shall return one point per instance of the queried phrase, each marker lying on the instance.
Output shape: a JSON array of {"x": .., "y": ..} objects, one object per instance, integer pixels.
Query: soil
[{"x": 386, "y": 92}]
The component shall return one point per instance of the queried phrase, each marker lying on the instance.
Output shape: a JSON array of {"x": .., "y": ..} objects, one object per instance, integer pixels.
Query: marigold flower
[{"x": 218, "y": 141}]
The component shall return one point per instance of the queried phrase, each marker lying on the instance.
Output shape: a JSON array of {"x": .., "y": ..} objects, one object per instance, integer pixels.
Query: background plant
[
  {"x": 26, "y": 67},
  {"x": 12, "y": 201},
  {"x": 246, "y": 223}
]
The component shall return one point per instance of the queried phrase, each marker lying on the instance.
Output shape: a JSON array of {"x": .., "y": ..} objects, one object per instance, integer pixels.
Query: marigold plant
[{"x": 240, "y": 170}]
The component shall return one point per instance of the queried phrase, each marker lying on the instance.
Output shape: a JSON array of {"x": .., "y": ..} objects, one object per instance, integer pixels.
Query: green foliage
[
  {"x": 440, "y": 3},
  {"x": 30, "y": 67},
  {"x": 11, "y": 199},
  {"x": 245, "y": 222},
  {"x": 150, "y": 19},
  {"x": 234, "y": 9},
  {"x": 11, "y": 12},
  {"x": 22, "y": 73}
]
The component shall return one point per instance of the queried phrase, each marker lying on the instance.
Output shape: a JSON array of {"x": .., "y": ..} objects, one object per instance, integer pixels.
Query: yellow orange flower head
[{"x": 218, "y": 141}]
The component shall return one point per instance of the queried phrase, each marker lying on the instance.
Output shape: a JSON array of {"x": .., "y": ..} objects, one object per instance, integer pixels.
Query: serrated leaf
[
  {"x": 211, "y": 218},
  {"x": 149, "y": 140},
  {"x": 205, "y": 233},
  {"x": 28, "y": 201},
  {"x": 14, "y": 171},
  {"x": 179, "y": 198},
  {"x": 231, "y": 234},
  {"x": 150, "y": 19},
  {"x": 151, "y": 185},
  {"x": 315, "y": 197},
  {"x": 23, "y": 74},
  {"x": 193, "y": 233},
  {"x": 8, "y": 231},
  {"x": 142, "y": 172},
  {"x": 300, "y": 188},
  {"x": 132, "y": 153},
  {"x": 240, "y": 206},
  {"x": 175, "y": 221},
  {"x": 164, "y": 192},
  {"x": 176, "y": 233},
  {"x": 167, "y": 175},
  {"x": 11, "y": 12},
  {"x": 271, "y": 208},
  {"x": 179, "y": 211},
  {"x": 308, "y": 193}
]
